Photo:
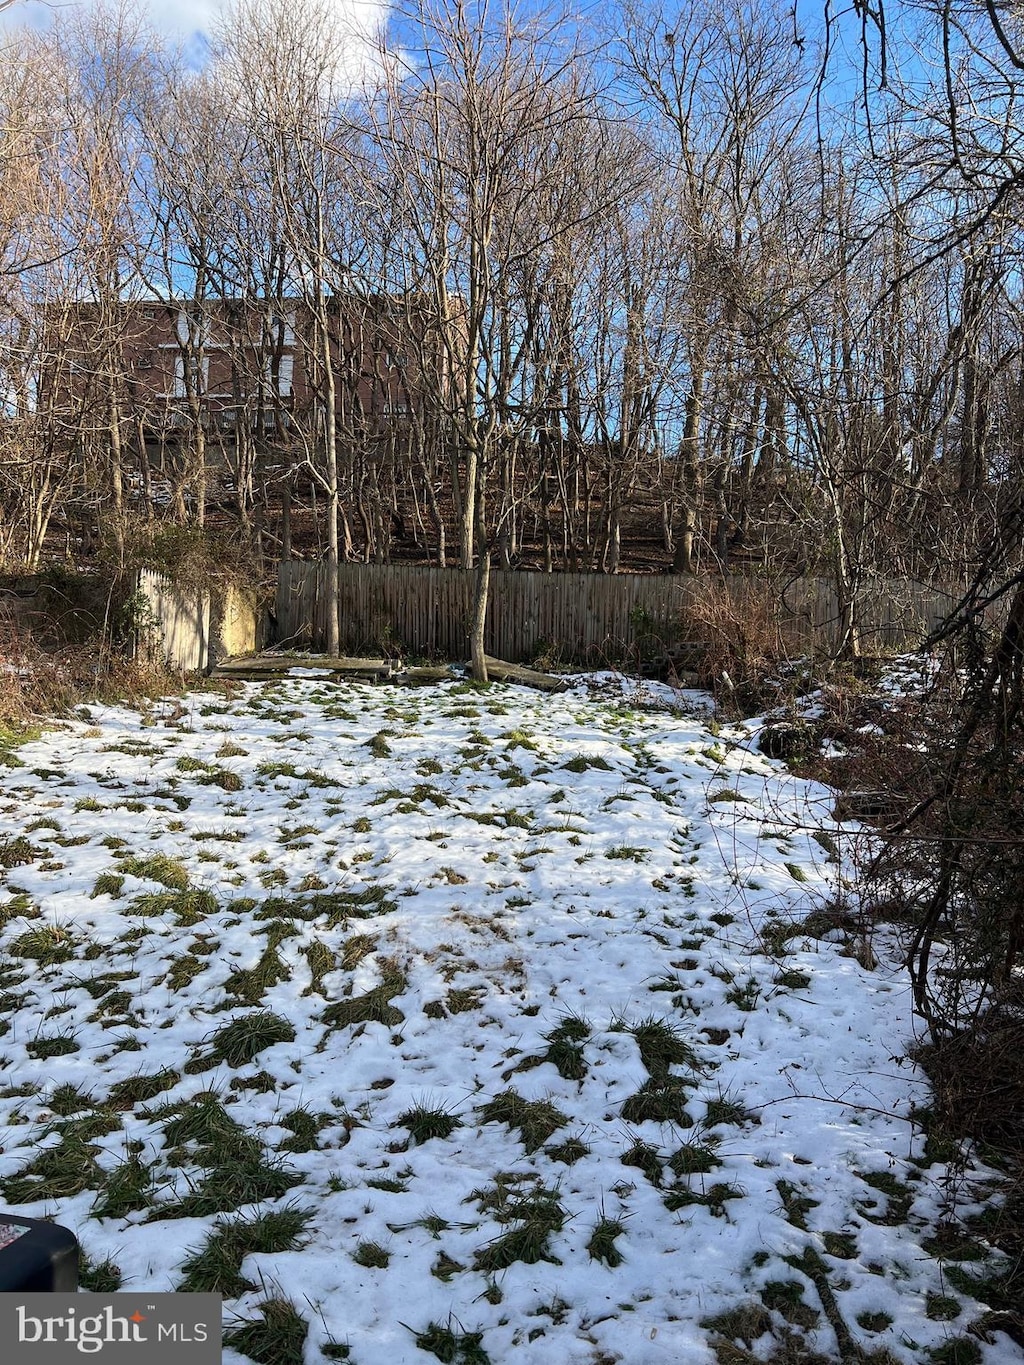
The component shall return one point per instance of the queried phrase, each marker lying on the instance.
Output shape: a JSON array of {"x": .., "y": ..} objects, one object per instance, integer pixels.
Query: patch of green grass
[
  {"x": 745, "y": 996},
  {"x": 797, "y": 872},
  {"x": 158, "y": 867},
  {"x": 44, "y": 822},
  {"x": 643, "y": 1157},
  {"x": 372, "y": 1008},
  {"x": 898, "y": 1198},
  {"x": 47, "y": 944},
  {"x": 568, "y": 1152},
  {"x": 202, "y": 1120},
  {"x": 531, "y": 1217},
  {"x": 240, "y": 1176},
  {"x": 244, "y": 1038},
  {"x": 217, "y": 1267},
  {"x": 693, "y": 1158},
  {"x": 388, "y": 1184},
  {"x": 249, "y": 984},
  {"x": 786, "y": 1297},
  {"x": 713, "y": 1197},
  {"x": 534, "y": 1120},
  {"x": 565, "y": 1051},
  {"x": 371, "y": 1255},
  {"x": 68, "y": 1099},
  {"x": 277, "y": 1337},
  {"x": 56, "y": 1045},
  {"x": 795, "y": 1204},
  {"x": 128, "y": 1188},
  {"x": 627, "y": 853},
  {"x": 338, "y": 906},
  {"x": 958, "y": 1351},
  {"x": 139, "y": 1089},
  {"x": 99, "y": 1277},
  {"x": 17, "y": 851},
  {"x": 188, "y": 764},
  {"x": 55, "y": 1173},
  {"x": 321, "y": 960},
  {"x": 184, "y": 970},
  {"x": 86, "y": 1126},
  {"x": 661, "y": 1047},
  {"x": 581, "y": 762},
  {"x": 304, "y": 1126},
  {"x": 425, "y": 1123},
  {"x": 452, "y": 1347},
  {"x": 942, "y": 1307},
  {"x": 722, "y": 1109},
  {"x": 107, "y": 884},
  {"x": 601, "y": 1246},
  {"x": 189, "y": 907},
  {"x": 659, "y": 1101},
  {"x": 20, "y": 906}
]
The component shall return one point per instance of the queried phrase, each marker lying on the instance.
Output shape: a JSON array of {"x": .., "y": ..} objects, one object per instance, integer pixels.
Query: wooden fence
[
  {"x": 192, "y": 628},
  {"x": 579, "y": 617}
]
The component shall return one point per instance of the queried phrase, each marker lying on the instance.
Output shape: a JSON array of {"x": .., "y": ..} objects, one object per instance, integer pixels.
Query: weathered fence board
[
  {"x": 191, "y": 628},
  {"x": 426, "y": 611},
  {"x": 178, "y": 625}
]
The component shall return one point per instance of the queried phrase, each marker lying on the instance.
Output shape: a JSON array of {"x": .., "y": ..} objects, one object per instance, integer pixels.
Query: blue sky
[{"x": 186, "y": 21}]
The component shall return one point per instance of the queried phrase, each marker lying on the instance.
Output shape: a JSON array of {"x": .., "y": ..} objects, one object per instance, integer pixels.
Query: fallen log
[
  {"x": 500, "y": 671},
  {"x": 281, "y": 665},
  {"x": 424, "y": 674}
]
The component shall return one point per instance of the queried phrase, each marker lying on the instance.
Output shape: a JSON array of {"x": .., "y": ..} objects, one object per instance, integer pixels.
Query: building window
[
  {"x": 198, "y": 372},
  {"x": 282, "y": 328},
  {"x": 279, "y": 384}
]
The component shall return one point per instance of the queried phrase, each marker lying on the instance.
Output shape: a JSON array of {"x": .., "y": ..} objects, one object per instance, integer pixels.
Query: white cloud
[{"x": 191, "y": 22}]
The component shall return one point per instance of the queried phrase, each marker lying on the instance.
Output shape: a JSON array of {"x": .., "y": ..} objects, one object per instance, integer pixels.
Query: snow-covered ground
[{"x": 465, "y": 1024}]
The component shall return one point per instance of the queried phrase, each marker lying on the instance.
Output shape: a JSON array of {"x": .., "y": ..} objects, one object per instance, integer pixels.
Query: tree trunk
[{"x": 476, "y": 633}]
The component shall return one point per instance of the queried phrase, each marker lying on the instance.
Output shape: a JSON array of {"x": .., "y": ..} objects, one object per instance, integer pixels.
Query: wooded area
[{"x": 700, "y": 282}]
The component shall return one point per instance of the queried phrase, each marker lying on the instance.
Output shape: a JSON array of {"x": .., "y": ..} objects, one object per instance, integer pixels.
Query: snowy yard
[{"x": 465, "y": 1024}]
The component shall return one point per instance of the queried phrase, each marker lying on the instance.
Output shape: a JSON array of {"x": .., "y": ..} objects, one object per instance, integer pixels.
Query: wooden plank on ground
[
  {"x": 500, "y": 671},
  {"x": 425, "y": 673},
  {"x": 279, "y": 665}
]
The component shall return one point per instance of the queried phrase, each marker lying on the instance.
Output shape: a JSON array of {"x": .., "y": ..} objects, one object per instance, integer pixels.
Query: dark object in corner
[{"x": 36, "y": 1257}]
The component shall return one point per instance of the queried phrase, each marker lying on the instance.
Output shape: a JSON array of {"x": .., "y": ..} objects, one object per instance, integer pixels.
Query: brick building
[{"x": 227, "y": 365}]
